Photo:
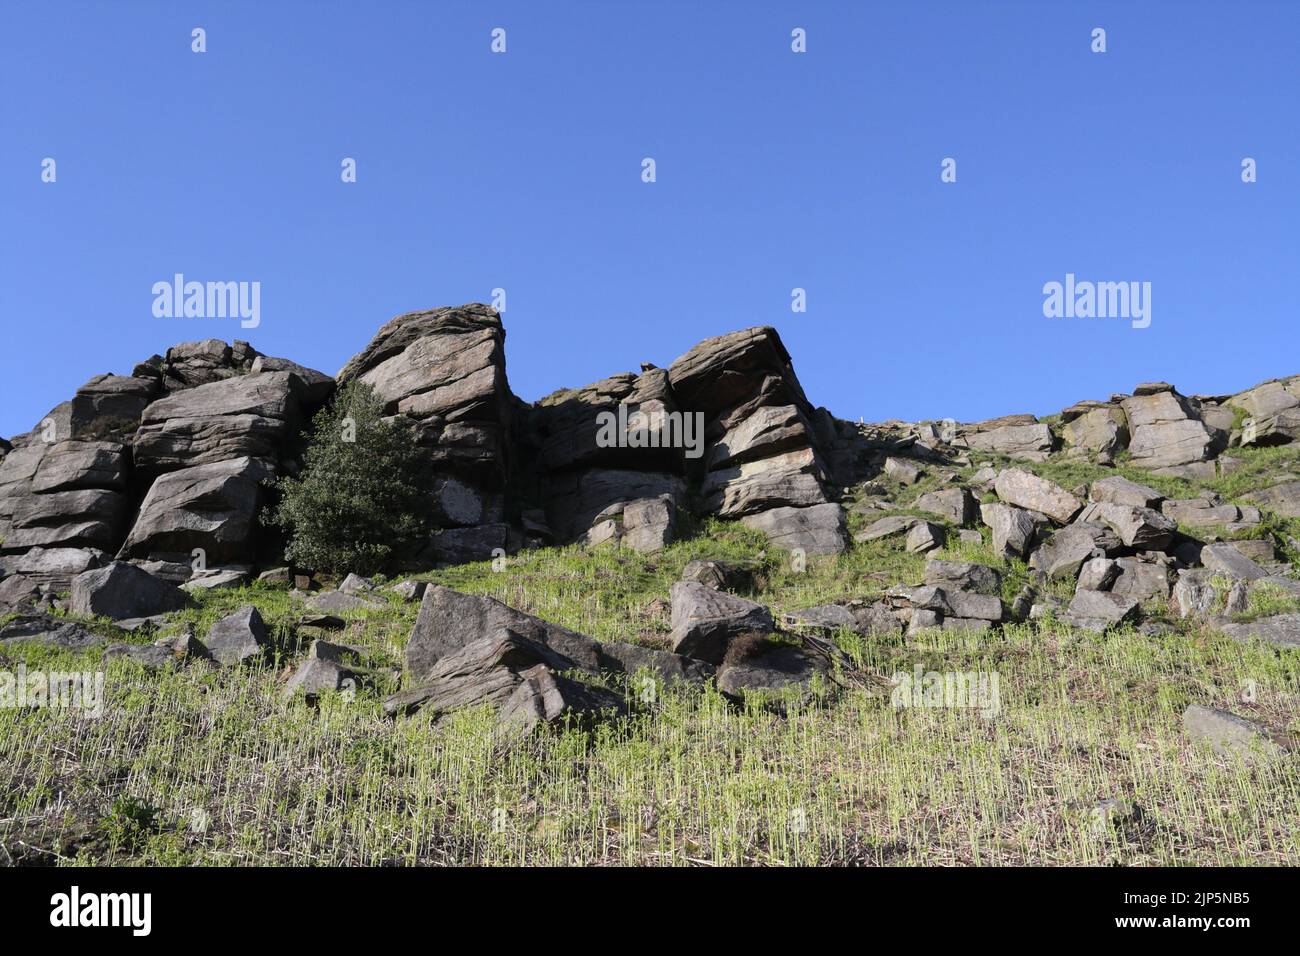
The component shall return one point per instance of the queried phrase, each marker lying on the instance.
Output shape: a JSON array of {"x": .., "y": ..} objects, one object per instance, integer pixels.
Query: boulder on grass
[
  {"x": 705, "y": 621},
  {"x": 238, "y": 637},
  {"x": 122, "y": 590}
]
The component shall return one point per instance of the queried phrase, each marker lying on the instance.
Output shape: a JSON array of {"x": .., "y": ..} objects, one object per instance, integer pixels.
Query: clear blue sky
[{"x": 775, "y": 170}]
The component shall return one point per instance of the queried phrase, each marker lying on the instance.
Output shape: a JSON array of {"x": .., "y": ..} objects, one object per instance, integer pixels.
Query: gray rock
[
  {"x": 337, "y": 602},
  {"x": 1283, "y": 499},
  {"x": 1226, "y": 560},
  {"x": 238, "y": 637},
  {"x": 705, "y": 621},
  {"x": 1167, "y": 434},
  {"x": 1141, "y": 580},
  {"x": 819, "y": 529},
  {"x": 75, "y": 465},
  {"x": 924, "y": 537},
  {"x": 1099, "y": 610},
  {"x": 1118, "y": 490},
  {"x": 956, "y": 505},
  {"x": 214, "y": 579},
  {"x": 1063, "y": 554},
  {"x": 719, "y": 575},
  {"x": 1140, "y": 528},
  {"x": 356, "y": 584},
  {"x": 45, "y": 629},
  {"x": 409, "y": 590},
  {"x": 463, "y": 545},
  {"x": 1098, "y": 574},
  {"x": 1230, "y": 735},
  {"x": 448, "y": 620},
  {"x": 56, "y": 567},
  {"x": 1026, "y": 490},
  {"x": 122, "y": 590},
  {"x": 769, "y": 665},
  {"x": 1280, "y": 629},
  {"x": 962, "y": 576},
  {"x": 1255, "y": 550},
  {"x": 904, "y": 471},
  {"x": 1014, "y": 529},
  {"x": 1103, "y": 430},
  {"x": 886, "y": 527},
  {"x": 211, "y": 506},
  {"x": 1194, "y": 594},
  {"x": 1032, "y": 442}
]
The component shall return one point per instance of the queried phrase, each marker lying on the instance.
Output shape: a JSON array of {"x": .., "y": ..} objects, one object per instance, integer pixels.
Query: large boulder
[
  {"x": 1168, "y": 433},
  {"x": 238, "y": 637},
  {"x": 817, "y": 529},
  {"x": 1143, "y": 529},
  {"x": 1284, "y": 498},
  {"x": 249, "y": 416},
  {"x": 1024, "y": 489},
  {"x": 1231, "y": 735},
  {"x": 1028, "y": 442},
  {"x": 449, "y": 620},
  {"x": 121, "y": 591},
  {"x": 212, "y": 506},
  {"x": 1014, "y": 529},
  {"x": 705, "y": 621}
]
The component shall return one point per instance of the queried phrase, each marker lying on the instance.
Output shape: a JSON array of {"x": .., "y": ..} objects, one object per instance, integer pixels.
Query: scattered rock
[
  {"x": 1229, "y": 734},
  {"x": 122, "y": 590},
  {"x": 1026, "y": 490},
  {"x": 705, "y": 621},
  {"x": 1099, "y": 610},
  {"x": 238, "y": 637},
  {"x": 719, "y": 575}
]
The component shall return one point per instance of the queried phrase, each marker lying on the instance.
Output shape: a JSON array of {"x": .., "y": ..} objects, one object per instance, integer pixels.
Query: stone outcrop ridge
[{"x": 167, "y": 465}]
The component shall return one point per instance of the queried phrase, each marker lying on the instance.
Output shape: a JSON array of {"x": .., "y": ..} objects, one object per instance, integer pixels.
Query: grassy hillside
[{"x": 207, "y": 766}]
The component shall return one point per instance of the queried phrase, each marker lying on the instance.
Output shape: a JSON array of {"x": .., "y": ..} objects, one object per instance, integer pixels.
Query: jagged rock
[
  {"x": 1024, "y": 489},
  {"x": 250, "y": 416},
  {"x": 212, "y": 507},
  {"x": 904, "y": 471},
  {"x": 513, "y": 674},
  {"x": 44, "y": 629},
  {"x": 356, "y": 584},
  {"x": 338, "y": 602},
  {"x": 1141, "y": 528},
  {"x": 1014, "y": 529},
  {"x": 449, "y": 620},
  {"x": 1269, "y": 398},
  {"x": 122, "y": 590},
  {"x": 819, "y": 529},
  {"x": 924, "y": 537},
  {"x": 1201, "y": 512},
  {"x": 409, "y": 590},
  {"x": 575, "y": 499},
  {"x": 1194, "y": 593},
  {"x": 1226, "y": 560},
  {"x": 1255, "y": 549},
  {"x": 967, "y": 606},
  {"x": 315, "y": 387},
  {"x": 1230, "y": 735},
  {"x": 705, "y": 621},
  {"x": 1280, "y": 629},
  {"x": 1102, "y": 430},
  {"x": 646, "y": 525},
  {"x": 886, "y": 527},
  {"x": 957, "y": 505},
  {"x": 1064, "y": 552},
  {"x": 152, "y": 656},
  {"x": 1118, "y": 490},
  {"x": 824, "y": 617},
  {"x": 1099, "y": 610},
  {"x": 790, "y": 479},
  {"x": 214, "y": 579},
  {"x": 1283, "y": 499},
  {"x": 56, "y": 567},
  {"x": 461, "y": 545},
  {"x": 764, "y": 664},
  {"x": 1029, "y": 442},
  {"x": 962, "y": 576},
  {"x": 1098, "y": 574},
  {"x": 66, "y": 519},
  {"x": 238, "y": 637},
  {"x": 18, "y": 591},
  {"x": 327, "y": 668},
  {"x": 1167, "y": 433},
  {"x": 1140, "y": 580},
  {"x": 719, "y": 575}
]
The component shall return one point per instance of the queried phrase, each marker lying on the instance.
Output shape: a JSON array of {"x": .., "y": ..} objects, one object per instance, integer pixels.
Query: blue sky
[{"x": 775, "y": 170}]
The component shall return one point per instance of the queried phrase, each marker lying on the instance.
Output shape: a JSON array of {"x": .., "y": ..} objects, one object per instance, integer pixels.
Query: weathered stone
[
  {"x": 924, "y": 537},
  {"x": 719, "y": 575},
  {"x": 409, "y": 590},
  {"x": 238, "y": 637},
  {"x": 1255, "y": 549},
  {"x": 956, "y": 505},
  {"x": 705, "y": 621},
  {"x": 1098, "y": 574},
  {"x": 1064, "y": 552},
  {"x": 1099, "y": 610},
  {"x": 1226, "y": 560},
  {"x": 1026, "y": 490},
  {"x": 1141, "y": 528},
  {"x": 768, "y": 665},
  {"x": 1118, "y": 490},
  {"x": 819, "y": 529},
  {"x": 74, "y": 465},
  {"x": 56, "y": 567},
  {"x": 1014, "y": 529},
  {"x": 122, "y": 590},
  {"x": 212, "y": 507},
  {"x": 1140, "y": 580},
  {"x": 962, "y": 576},
  {"x": 462, "y": 545},
  {"x": 1166, "y": 432},
  {"x": 1027, "y": 442},
  {"x": 1230, "y": 735},
  {"x": 1103, "y": 430},
  {"x": 904, "y": 471},
  {"x": 356, "y": 584},
  {"x": 45, "y": 629},
  {"x": 449, "y": 620},
  {"x": 338, "y": 602},
  {"x": 886, "y": 527},
  {"x": 1280, "y": 629},
  {"x": 1283, "y": 499}
]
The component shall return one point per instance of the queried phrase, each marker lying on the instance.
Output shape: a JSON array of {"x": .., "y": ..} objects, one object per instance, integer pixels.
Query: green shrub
[{"x": 363, "y": 495}]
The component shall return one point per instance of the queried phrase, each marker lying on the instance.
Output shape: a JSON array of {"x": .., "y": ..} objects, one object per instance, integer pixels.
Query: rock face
[
  {"x": 445, "y": 370},
  {"x": 1169, "y": 435}
]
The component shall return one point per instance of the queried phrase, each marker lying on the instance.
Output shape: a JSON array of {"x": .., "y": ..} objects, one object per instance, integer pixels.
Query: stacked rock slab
[
  {"x": 445, "y": 372},
  {"x": 1168, "y": 433},
  {"x": 761, "y": 461}
]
